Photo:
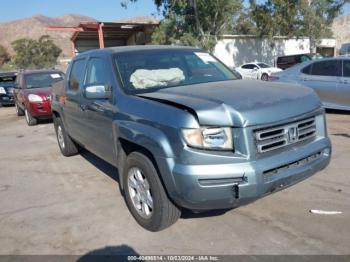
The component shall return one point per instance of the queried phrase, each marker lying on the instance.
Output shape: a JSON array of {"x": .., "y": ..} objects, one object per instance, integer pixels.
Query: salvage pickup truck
[{"x": 184, "y": 131}]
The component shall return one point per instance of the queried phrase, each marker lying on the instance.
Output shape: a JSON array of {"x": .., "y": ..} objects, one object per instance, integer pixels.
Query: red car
[{"x": 32, "y": 94}]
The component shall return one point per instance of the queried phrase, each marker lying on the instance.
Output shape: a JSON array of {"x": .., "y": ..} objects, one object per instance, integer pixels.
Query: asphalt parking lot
[{"x": 50, "y": 204}]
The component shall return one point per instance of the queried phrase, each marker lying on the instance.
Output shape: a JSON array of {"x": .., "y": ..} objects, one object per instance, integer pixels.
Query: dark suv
[
  {"x": 7, "y": 83},
  {"x": 285, "y": 62}
]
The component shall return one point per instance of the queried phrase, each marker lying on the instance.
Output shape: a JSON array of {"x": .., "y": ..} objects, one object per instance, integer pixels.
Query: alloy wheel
[
  {"x": 60, "y": 137},
  {"x": 140, "y": 193}
]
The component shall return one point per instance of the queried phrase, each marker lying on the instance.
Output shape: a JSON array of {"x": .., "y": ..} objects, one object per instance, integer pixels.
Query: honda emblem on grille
[{"x": 293, "y": 134}]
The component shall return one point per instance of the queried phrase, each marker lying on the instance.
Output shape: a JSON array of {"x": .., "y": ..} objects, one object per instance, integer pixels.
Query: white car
[{"x": 257, "y": 70}]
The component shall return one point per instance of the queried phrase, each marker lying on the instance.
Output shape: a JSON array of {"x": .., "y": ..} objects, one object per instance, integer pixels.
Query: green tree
[
  {"x": 35, "y": 54},
  {"x": 293, "y": 18},
  {"x": 195, "y": 22},
  {"x": 317, "y": 17},
  {"x": 4, "y": 56}
]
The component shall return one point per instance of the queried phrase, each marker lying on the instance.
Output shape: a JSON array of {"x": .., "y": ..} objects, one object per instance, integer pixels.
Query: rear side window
[
  {"x": 76, "y": 75},
  {"x": 307, "y": 70},
  {"x": 327, "y": 68},
  {"x": 346, "y": 68},
  {"x": 97, "y": 73},
  {"x": 304, "y": 58},
  {"x": 249, "y": 66}
]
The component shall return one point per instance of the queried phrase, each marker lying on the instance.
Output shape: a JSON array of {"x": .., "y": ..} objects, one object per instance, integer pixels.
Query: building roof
[
  {"x": 112, "y": 30},
  {"x": 139, "y": 20}
]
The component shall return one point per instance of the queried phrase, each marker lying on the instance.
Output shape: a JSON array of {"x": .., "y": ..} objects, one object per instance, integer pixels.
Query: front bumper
[
  {"x": 40, "y": 110},
  {"x": 205, "y": 187},
  {"x": 7, "y": 100}
]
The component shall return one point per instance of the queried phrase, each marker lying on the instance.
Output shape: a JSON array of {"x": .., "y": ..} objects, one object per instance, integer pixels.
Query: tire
[
  {"x": 19, "y": 111},
  {"x": 265, "y": 77},
  {"x": 65, "y": 143},
  {"x": 31, "y": 121},
  {"x": 162, "y": 213}
]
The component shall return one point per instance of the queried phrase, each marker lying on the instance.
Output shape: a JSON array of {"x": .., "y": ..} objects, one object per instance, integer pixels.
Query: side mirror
[{"x": 98, "y": 92}]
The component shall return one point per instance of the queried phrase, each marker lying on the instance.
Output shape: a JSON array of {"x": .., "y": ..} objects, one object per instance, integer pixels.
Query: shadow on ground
[
  {"x": 101, "y": 165},
  {"x": 342, "y": 135},
  {"x": 337, "y": 112},
  {"x": 110, "y": 253}
]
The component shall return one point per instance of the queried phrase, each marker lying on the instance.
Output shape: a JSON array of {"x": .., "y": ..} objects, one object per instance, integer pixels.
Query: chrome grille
[{"x": 280, "y": 136}]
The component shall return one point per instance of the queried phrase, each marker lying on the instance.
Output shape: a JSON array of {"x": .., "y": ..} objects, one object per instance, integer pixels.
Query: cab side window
[
  {"x": 307, "y": 70},
  {"x": 327, "y": 68},
  {"x": 76, "y": 75},
  {"x": 346, "y": 68},
  {"x": 97, "y": 74}
]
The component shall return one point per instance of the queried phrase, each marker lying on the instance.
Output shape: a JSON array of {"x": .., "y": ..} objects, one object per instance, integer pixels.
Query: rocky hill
[
  {"x": 341, "y": 30},
  {"x": 36, "y": 26}
]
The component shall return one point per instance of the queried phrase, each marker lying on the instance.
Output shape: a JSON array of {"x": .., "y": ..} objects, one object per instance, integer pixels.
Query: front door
[
  {"x": 98, "y": 113},
  {"x": 324, "y": 78}
]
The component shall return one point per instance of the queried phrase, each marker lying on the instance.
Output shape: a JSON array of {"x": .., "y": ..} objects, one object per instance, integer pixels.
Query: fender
[
  {"x": 144, "y": 135},
  {"x": 154, "y": 140}
]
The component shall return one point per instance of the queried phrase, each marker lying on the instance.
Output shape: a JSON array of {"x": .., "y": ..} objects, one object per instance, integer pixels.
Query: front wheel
[
  {"x": 31, "y": 121},
  {"x": 19, "y": 111},
  {"x": 145, "y": 195},
  {"x": 66, "y": 144},
  {"x": 264, "y": 77}
]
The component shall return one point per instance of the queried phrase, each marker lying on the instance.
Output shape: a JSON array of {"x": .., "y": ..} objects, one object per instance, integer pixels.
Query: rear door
[
  {"x": 247, "y": 71},
  {"x": 98, "y": 113},
  {"x": 344, "y": 86},
  {"x": 72, "y": 110},
  {"x": 323, "y": 77}
]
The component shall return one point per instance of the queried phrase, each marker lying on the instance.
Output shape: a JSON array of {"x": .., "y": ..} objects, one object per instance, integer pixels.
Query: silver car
[{"x": 329, "y": 77}]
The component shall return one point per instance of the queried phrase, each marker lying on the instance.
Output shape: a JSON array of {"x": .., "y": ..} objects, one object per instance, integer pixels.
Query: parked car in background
[
  {"x": 329, "y": 77},
  {"x": 284, "y": 62},
  {"x": 32, "y": 94},
  {"x": 7, "y": 84},
  {"x": 344, "y": 49},
  {"x": 256, "y": 70},
  {"x": 184, "y": 132}
]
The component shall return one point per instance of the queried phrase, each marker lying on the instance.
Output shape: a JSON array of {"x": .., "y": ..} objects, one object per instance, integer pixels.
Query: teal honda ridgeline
[{"x": 185, "y": 131}]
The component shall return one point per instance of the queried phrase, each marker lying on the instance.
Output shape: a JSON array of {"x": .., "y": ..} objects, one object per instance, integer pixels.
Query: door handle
[{"x": 82, "y": 107}]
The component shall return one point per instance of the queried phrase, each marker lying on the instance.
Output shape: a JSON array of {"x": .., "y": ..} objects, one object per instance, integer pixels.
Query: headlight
[
  {"x": 34, "y": 98},
  {"x": 2, "y": 90},
  {"x": 219, "y": 138}
]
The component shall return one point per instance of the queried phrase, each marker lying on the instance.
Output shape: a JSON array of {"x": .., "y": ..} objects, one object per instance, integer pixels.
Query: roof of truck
[{"x": 120, "y": 49}]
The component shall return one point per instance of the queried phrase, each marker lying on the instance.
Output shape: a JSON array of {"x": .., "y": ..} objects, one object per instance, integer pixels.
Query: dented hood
[{"x": 240, "y": 103}]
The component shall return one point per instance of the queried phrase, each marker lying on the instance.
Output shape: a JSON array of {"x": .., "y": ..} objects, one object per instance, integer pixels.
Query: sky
[{"x": 102, "y": 10}]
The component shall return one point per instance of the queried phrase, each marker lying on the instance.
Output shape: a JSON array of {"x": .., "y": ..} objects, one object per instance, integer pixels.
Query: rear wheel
[
  {"x": 66, "y": 144},
  {"x": 31, "y": 121},
  {"x": 264, "y": 77},
  {"x": 145, "y": 195},
  {"x": 19, "y": 111}
]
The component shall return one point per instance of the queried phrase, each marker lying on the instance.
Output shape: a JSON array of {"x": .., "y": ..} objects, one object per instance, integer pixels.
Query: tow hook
[{"x": 236, "y": 191}]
